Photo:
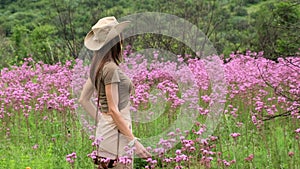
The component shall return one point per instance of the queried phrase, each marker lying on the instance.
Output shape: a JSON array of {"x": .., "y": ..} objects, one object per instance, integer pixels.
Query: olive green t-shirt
[{"x": 111, "y": 73}]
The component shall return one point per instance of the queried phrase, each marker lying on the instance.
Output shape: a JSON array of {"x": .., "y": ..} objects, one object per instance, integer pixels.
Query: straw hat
[{"x": 103, "y": 31}]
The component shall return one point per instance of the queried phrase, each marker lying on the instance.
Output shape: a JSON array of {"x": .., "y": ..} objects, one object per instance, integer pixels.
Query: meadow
[{"x": 43, "y": 126}]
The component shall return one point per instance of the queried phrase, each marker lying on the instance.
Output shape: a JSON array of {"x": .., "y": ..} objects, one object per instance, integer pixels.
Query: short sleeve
[{"x": 111, "y": 74}]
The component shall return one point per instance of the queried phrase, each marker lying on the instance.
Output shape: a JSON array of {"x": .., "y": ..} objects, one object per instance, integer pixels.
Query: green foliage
[
  {"x": 40, "y": 39},
  {"x": 252, "y": 1},
  {"x": 241, "y": 11},
  {"x": 276, "y": 26},
  {"x": 53, "y": 31},
  {"x": 38, "y": 43}
]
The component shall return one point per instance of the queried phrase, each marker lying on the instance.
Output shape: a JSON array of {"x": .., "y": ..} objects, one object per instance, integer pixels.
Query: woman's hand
[{"x": 141, "y": 150}]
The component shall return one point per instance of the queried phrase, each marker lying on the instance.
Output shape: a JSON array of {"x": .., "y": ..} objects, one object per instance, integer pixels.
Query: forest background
[{"x": 53, "y": 31}]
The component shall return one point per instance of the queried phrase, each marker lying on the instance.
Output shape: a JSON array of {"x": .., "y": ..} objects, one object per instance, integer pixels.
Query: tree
[{"x": 277, "y": 26}]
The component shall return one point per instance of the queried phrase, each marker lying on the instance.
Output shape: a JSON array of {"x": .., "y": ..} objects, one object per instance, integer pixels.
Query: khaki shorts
[{"x": 107, "y": 129}]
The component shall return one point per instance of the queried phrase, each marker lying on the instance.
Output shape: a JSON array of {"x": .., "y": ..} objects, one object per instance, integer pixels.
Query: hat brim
[{"x": 91, "y": 44}]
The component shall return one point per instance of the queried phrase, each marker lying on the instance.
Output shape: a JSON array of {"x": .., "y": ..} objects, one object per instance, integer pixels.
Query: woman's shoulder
[
  {"x": 110, "y": 73},
  {"x": 110, "y": 65}
]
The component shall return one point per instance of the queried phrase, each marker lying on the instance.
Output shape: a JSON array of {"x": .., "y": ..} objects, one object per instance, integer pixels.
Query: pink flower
[
  {"x": 171, "y": 134},
  {"x": 291, "y": 154},
  {"x": 35, "y": 146},
  {"x": 239, "y": 124},
  {"x": 70, "y": 158},
  {"x": 206, "y": 98},
  {"x": 167, "y": 160},
  {"x": 45, "y": 117},
  {"x": 297, "y": 130},
  {"x": 249, "y": 158},
  {"x": 26, "y": 115},
  {"x": 213, "y": 138},
  {"x": 92, "y": 137},
  {"x": 235, "y": 135},
  {"x": 254, "y": 120},
  {"x": 97, "y": 141},
  {"x": 200, "y": 131},
  {"x": 125, "y": 160},
  {"x": 192, "y": 149},
  {"x": 92, "y": 155},
  {"x": 226, "y": 163}
]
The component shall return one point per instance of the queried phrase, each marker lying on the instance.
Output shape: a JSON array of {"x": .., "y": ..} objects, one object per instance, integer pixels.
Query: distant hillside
[{"x": 54, "y": 30}]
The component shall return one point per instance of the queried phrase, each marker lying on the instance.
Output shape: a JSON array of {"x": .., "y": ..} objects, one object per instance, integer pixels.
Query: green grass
[
  {"x": 56, "y": 137},
  {"x": 270, "y": 144}
]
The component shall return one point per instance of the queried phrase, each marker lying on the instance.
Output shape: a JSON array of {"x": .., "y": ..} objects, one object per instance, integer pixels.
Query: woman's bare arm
[
  {"x": 112, "y": 101},
  {"x": 85, "y": 98},
  {"x": 112, "y": 96}
]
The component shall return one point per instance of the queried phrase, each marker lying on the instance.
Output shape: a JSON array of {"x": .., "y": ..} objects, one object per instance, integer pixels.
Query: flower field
[{"x": 258, "y": 127}]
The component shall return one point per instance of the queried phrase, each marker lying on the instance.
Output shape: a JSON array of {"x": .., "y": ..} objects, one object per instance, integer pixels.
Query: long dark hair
[{"x": 103, "y": 54}]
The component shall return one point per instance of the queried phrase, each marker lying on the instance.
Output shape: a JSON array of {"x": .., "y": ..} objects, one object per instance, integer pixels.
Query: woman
[{"x": 113, "y": 88}]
